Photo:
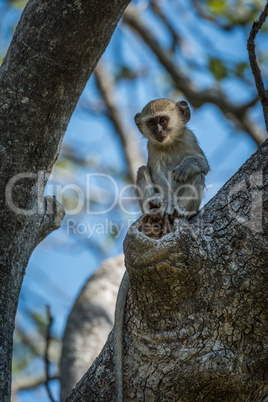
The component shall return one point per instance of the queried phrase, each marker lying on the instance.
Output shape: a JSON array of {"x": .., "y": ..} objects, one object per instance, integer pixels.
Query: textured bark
[
  {"x": 55, "y": 48},
  {"x": 89, "y": 323},
  {"x": 196, "y": 316}
]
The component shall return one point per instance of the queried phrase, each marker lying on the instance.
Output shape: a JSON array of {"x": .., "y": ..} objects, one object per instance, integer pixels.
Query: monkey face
[
  {"x": 163, "y": 120},
  {"x": 158, "y": 127}
]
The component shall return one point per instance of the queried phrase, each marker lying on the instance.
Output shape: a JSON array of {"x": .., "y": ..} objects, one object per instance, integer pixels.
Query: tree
[
  {"x": 89, "y": 323},
  {"x": 196, "y": 317},
  {"x": 238, "y": 114},
  {"x": 55, "y": 49},
  {"x": 195, "y": 324}
]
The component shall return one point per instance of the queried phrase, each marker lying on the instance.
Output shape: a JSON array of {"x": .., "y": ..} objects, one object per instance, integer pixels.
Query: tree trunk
[
  {"x": 89, "y": 323},
  {"x": 54, "y": 50},
  {"x": 196, "y": 316}
]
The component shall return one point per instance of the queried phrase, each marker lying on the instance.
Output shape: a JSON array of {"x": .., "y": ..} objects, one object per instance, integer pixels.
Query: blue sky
[{"x": 225, "y": 150}]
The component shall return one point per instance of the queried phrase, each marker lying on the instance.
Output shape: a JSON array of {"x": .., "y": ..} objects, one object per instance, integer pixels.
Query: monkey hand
[{"x": 184, "y": 170}]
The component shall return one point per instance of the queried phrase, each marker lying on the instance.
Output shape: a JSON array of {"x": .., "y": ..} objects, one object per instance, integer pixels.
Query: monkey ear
[
  {"x": 137, "y": 119},
  {"x": 184, "y": 111}
]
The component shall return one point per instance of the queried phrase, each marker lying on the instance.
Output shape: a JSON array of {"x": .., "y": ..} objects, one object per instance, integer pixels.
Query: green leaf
[
  {"x": 217, "y": 6},
  {"x": 240, "y": 68},
  {"x": 125, "y": 73},
  {"x": 218, "y": 68}
]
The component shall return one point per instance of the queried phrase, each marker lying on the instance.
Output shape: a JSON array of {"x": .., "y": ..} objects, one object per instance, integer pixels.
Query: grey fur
[{"x": 176, "y": 168}]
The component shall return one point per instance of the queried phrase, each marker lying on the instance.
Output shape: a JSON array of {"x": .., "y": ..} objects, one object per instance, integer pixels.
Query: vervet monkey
[
  {"x": 172, "y": 181},
  {"x": 174, "y": 177}
]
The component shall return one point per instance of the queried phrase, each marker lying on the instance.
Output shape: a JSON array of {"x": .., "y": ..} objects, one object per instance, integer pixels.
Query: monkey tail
[{"x": 118, "y": 336}]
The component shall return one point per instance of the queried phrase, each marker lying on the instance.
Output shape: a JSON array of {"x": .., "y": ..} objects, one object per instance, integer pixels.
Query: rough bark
[
  {"x": 89, "y": 323},
  {"x": 54, "y": 50},
  {"x": 196, "y": 316}
]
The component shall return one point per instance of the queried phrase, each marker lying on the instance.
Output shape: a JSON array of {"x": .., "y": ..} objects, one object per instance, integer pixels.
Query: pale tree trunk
[
  {"x": 55, "y": 48},
  {"x": 196, "y": 316},
  {"x": 89, "y": 323}
]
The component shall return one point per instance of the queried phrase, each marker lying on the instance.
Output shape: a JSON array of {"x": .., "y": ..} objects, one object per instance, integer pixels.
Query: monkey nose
[{"x": 158, "y": 130}]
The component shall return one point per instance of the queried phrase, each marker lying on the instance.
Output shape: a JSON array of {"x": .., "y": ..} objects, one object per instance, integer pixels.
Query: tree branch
[
  {"x": 35, "y": 346},
  {"x": 202, "y": 14},
  {"x": 182, "y": 83},
  {"x": 129, "y": 140},
  {"x": 89, "y": 323},
  {"x": 263, "y": 95},
  {"x": 176, "y": 39},
  {"x": 29, "y": 383},
  {"x": 195, "y": 321},
  {"x": 46, "y": 357}
]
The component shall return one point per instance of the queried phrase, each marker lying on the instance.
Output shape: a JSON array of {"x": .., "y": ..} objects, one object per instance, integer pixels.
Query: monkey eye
[
  {"x": 151, "y": 123},
  {"x": 162, "y": 120}
]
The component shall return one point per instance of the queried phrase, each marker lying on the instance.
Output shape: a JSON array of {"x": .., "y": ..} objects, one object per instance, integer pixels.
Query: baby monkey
[{"x": 174, "y": 177}]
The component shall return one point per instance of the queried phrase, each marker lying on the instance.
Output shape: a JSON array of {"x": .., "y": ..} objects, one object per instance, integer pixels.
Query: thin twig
[
  {"x": 254, "y": 65},
  {"x": 47, "y": 362}
]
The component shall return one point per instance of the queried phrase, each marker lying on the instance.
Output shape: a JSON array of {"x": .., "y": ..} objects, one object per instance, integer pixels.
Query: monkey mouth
[{"x": 161, "y": 139}]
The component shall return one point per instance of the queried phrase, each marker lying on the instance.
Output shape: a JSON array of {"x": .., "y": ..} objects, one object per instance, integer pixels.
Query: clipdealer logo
[{"x": 247, "y": 211}]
